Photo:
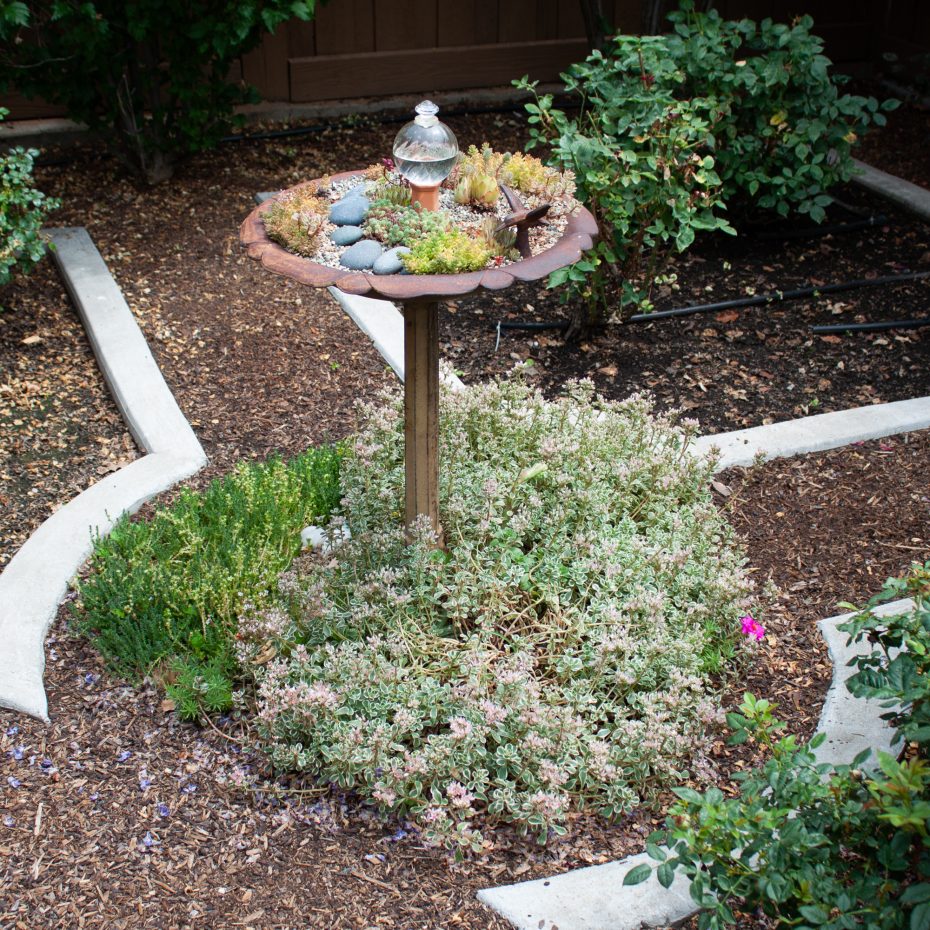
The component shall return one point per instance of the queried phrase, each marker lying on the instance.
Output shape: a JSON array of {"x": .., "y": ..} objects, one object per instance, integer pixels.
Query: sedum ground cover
[{"x": 555, "y": 656}]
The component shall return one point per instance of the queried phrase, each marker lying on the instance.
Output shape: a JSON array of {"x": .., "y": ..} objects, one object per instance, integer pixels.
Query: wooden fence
[{"x": 361, "y": 48}]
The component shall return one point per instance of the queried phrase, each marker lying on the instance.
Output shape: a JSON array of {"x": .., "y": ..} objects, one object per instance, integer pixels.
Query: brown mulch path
[
  {"x": 116, "y": 816},
  {"x": 60, "y": 426}
]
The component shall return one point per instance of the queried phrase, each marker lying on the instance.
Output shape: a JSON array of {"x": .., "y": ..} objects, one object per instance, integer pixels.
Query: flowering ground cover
[{"x": 119, "y": 814}]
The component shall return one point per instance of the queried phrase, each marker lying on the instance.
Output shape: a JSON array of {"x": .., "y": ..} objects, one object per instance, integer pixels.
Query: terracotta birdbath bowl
[{"x": 419, "y": 296}]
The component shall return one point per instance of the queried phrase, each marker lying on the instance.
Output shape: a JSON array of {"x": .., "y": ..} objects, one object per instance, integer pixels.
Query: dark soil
[
  {"x": 60, "y": 429},
  {"x": 900, "y": 148},
  {"x": 162, "y": 838},
  {"x": 735, "y": 368}
]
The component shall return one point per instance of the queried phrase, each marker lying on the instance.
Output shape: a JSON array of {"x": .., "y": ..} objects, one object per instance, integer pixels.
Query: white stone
[{"x": 326, "y": 540}]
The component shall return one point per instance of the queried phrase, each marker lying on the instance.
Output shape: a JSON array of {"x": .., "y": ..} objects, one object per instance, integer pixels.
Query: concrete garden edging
[
  {"x": 595, "y": 898},
  {"x": 36, "y": 579},
  {"x": 912, "y": 197}
]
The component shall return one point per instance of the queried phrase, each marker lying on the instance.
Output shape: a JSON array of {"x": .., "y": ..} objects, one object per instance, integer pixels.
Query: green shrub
[
  {"x": 169, "y": 591},
  {"x": 151, "y": 77},
  {"x": 641, "y": 166},
  {"x": 554, "y": 656},
  {"x": 23, "y": 210},
  {"x": 812, "y": 845},
  {"x": 784, "y": 134},
  {"x": 673, "y": 129}
]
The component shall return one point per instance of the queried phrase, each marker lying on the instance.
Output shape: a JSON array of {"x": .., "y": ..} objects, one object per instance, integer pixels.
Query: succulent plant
[
  {"x": 403, "y": 225},
  {"x": 297, "y": 220},
  {"x": 449, "y": 251},
  {"x": 499, "y": 240},
  {"x": 391, "y": 192},
  {"x": 477, "y": 189}
]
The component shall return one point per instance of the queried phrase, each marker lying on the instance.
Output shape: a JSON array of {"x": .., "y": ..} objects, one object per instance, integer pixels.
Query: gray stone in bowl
[
  {"x": 361, "y": 256},
  {"x": 390, "y": 262},
  {"x": 346, "y": 235},
  {"x": 350, "y": 211}
]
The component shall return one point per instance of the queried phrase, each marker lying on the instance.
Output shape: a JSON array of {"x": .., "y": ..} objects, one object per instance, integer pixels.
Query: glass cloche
[{"x": 425, "y": 149}]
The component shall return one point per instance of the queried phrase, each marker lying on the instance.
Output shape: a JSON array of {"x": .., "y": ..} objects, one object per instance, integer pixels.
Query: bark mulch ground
[
  {"x": 116, "y": 816},
  {"x": 61, "y": 429}
]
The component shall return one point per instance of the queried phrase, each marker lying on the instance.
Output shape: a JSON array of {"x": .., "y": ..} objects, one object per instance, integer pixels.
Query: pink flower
[{"x": 752, "y": 628}]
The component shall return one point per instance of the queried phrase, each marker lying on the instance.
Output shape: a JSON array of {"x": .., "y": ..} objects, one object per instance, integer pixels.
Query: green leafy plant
[
  {"x": 810, "y": 844},
  {"x": 500, "y": 240},
  {"x": 171, "y": 589},
  {"x": 639, "y": 159},
  {"x": 673, "y": 129},
  {"x": 449, "y": 251},
  {"x": 784, "y": 132},
  {"x": 477, "y": 190},
  {"x": 403, "y": 225},
  {"x": 554, "y": 656},
  {"x": 23, "y": 210},
  {"x": 151, "y": 77}
]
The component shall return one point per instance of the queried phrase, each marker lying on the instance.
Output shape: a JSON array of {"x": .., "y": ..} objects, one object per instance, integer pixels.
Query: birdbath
[{"x": 419, "y": 296}]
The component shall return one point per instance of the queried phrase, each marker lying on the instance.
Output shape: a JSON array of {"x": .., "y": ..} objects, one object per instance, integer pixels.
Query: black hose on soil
[
  {"x": 779, "y": 296},
  {"x": 870, "y": 327}
]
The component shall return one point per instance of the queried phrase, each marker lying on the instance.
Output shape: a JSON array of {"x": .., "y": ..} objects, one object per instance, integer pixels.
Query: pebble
[
  {"x": 361, "y": 256},
  {"x": 346, "y": 235},
  {"x": 350, "y": 211},
  {"x": 390, "y": 262}
]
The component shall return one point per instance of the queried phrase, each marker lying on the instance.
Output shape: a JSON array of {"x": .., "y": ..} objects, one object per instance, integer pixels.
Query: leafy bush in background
[
  {"x": 23, "y": 210},
  {"x": 151, "y": 77},
  {"x": 784, "y": 133},
  {"x": 554, "y": 656},
  {"x": 169, "y": 591},
  {"x": 673, "y": 129},
  {"x": 640, "y": 164},
  {"x": 812, "y": 845}
]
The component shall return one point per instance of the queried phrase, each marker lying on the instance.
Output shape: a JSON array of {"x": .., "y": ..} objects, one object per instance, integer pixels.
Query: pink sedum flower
[{"x": 752, "y": 628}]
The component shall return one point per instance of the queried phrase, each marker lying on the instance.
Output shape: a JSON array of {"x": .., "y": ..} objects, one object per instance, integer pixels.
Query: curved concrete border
[
  {"x": 595, "y": 898},
  {"x": 36, "y": 579}
]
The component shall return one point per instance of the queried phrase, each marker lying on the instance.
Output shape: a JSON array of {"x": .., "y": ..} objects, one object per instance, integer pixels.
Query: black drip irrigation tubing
[
  {"x": 759, "y": 300},
  {"x": 870, "y": 327},
  {"x": 532, "y": 327}
]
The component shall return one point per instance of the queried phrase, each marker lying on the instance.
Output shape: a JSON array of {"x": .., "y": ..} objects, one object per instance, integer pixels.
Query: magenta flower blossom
[{"x": 752, "y": 628}]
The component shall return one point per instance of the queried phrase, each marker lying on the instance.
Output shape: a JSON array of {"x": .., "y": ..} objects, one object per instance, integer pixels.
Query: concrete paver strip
[{"x": 36, "y": 578}]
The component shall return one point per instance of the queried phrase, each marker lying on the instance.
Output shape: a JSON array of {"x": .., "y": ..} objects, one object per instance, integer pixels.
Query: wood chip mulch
[
  {"x": 115, "y": 816},
  {"x": 60, "y": 426}
]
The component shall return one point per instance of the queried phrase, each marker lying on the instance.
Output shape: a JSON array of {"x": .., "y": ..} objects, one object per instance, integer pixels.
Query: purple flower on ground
[
  {"x": 12, "y": 731},
  {"x": 17, "y": 752},
  {"x": 8, "y": 821},
  {"x": 752, "y": 628},
  {"x": 144, "y": 783},
  {"x": 90, "y": 678},
  {"x": 397, "y": 836},
  {"x": 13, "y": 782},
  {"x": 47, "y": 764},
  {"x": 123, "y": 756},
  {"x": 163, "y": 810},
  {"x": 189, "y": 788},
  {"x": 94, "y": 796},
  {"x": 147, "y": 840}
]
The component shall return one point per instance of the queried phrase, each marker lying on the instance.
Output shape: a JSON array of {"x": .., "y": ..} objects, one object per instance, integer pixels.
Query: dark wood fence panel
[{"x": 374, "y": 47}]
